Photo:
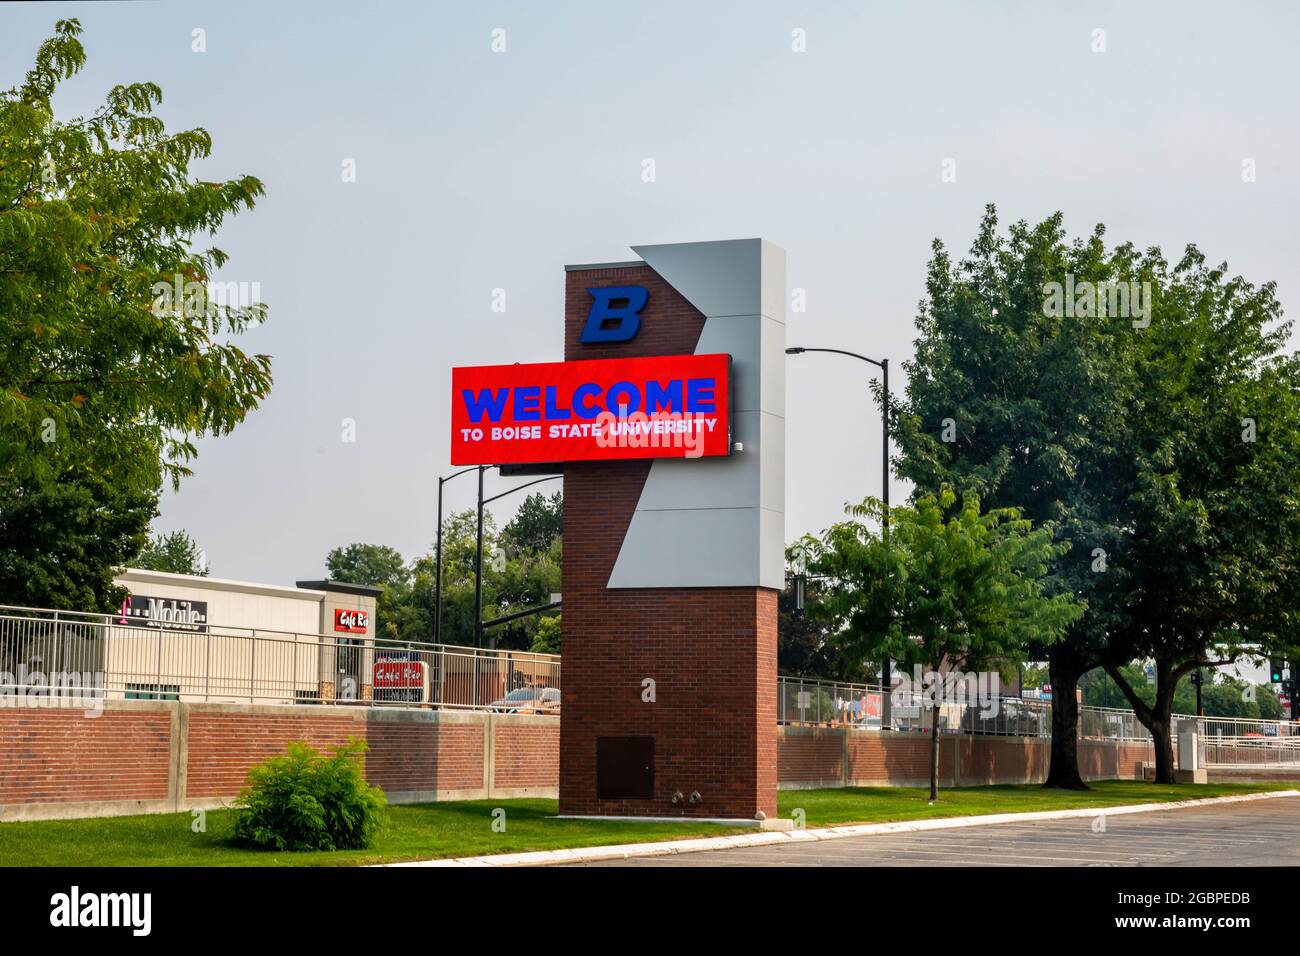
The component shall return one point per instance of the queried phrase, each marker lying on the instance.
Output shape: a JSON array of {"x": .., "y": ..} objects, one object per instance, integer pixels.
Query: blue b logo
[{"x": 613, "y": 316}]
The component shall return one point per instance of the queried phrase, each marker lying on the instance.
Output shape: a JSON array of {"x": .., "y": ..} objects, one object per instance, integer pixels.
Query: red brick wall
[
  {"x": 670, "y": 325},
  {"x": 898, "y": 758},
  {"x": 526, "y": 755},
  {"x": 710, "y": 651},
  {"x": 421, "y": 756},
  {"x": 1001, "y": 759},
  {"x": 224, "y": 744},
  {"x": 809, "y": 757},
  {"x": 1130, "y": 755},
  {"x": 64, "y": 756}
]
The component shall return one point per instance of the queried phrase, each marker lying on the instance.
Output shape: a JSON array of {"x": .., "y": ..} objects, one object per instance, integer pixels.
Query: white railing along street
[{"x": 96, "y": 655}]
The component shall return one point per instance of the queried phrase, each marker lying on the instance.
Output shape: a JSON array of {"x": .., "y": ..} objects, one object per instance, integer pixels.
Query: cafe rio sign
[{"x": 666, "y": 406}]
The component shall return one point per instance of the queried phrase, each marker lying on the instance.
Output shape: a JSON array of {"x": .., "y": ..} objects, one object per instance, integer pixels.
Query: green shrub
[{"x": 306, "y": 800}]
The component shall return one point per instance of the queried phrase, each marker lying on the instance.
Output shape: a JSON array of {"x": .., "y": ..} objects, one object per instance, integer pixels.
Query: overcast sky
[{"x": 478, "y": 170}]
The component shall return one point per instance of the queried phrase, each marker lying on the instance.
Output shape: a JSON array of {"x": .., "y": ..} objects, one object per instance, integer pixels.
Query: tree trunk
[
  {"x": 1157, "y": 718},
  {"x": 1161, "y": 721},
  {"x": 1064, "y": 670},
  {"x": 934, "y": 752}
]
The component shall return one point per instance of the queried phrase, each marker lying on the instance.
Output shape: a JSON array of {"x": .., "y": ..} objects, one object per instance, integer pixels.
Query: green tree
[
  {"x": 62, "y": 540},
  {"x": 1212, "y": 520},
  {"x": 374, "y": 564},
  {"x": 966, "y": 592},
  {"x": 804, "y": 648},
  {"x": 537, "y": 523},
  {"x": 515, "y": 578},
  {"x": 546, "y": 639},
  {"x": 1127, "y": 429},
  {"x": 1026, "y": 410},
  {"x": 176, "y": 552},
  {"x": 378, "y": 565},
  {"x": 1033, "y": 677},
  {"x": 107, "y": 373},
  {"x": 1221, "y": 695},
  {"x": 521, "y": 570},
  {"x": 457, "y": 581}
]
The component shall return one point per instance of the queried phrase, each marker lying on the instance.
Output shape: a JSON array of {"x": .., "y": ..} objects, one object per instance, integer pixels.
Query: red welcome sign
[{"x": 669, "y": 406}]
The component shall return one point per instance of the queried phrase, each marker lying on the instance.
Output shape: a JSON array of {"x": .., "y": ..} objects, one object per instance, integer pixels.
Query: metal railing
[
  {"x": 1226, "y": 741},
  {"x": 69, "y": 655},
  {"x": 1248, "y": 742},
  {"x": 47, "y": 654}
]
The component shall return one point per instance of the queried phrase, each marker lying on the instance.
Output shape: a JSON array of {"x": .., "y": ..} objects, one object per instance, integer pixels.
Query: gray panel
[
  {"x": 741, "y": 336},
  {"x": 772, "y": 368},
  {"x": 741, "y": 481},
  {"x": 673, "y": 549},
  {"x": 773, "y": 279},
  {"x": 771, "y": 463},
  {"x": 771, "y": 549},
  {"x": 733, "y": 482},
  {"x": 719, "y": 278},
  {"x": 720, "y": 522}
]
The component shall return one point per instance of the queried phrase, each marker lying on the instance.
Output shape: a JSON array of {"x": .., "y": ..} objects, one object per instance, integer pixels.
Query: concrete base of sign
[
  {"x": 1201, "y": 775},
  {"x": 774, "y": 823}
]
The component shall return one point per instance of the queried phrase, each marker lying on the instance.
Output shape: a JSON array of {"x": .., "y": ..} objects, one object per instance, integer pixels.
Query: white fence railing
[
  {"x": 60, "y": 653},
  {"x": 1227, "y": 741},
  {"x": 49, "y": 653}
]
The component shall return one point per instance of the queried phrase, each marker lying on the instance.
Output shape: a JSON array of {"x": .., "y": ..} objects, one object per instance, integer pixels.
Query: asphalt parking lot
[{"x": 1262, "y": 832}]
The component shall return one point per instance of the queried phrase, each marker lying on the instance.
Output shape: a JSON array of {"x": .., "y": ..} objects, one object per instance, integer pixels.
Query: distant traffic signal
[{"x": 1275, "y": 669}]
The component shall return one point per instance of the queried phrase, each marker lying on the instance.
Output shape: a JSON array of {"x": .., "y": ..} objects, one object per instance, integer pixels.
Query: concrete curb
[{"x": 625, "y": 851}]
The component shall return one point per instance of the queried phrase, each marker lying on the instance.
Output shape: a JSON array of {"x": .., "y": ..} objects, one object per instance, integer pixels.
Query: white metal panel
[{"x": 720, "y": 522}]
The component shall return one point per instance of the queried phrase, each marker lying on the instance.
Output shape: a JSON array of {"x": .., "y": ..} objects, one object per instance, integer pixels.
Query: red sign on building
[
  {"x": 670, "y": 406},
  {"x": 349, "y": 621},
  {"x": 390, "y": 675}
]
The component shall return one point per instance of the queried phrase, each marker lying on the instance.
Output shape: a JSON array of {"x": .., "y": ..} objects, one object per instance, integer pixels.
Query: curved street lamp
[
  {"x": 883, "y": 365},
  {"x": 437, "y": 586},
  {"x": 478, "y": 550}
]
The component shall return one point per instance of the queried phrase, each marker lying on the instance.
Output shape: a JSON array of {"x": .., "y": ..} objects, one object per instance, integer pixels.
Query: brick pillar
[{"x": 710, "y": 651}]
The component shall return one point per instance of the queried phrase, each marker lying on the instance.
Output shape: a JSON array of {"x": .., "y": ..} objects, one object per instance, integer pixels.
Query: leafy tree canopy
[
  {"x": 176, "y": 552},
  {"x": 966, "y": 592},
  {"x": 103, "y": 366},
  {"x": 115, "y": 351},
  {"x": 375, "y": 564},
  {"x": 537, "y": 523}
]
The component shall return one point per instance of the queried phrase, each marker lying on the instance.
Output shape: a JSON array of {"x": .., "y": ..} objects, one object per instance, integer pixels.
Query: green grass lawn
[
  {"x": 885, "y": 805},
  {"x": 464, "y": 828},
  {"x": 414, "y": 832}
]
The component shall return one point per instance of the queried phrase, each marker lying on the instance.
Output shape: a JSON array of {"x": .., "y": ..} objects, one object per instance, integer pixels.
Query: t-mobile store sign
[
  {"x": 140, "y": 610},
  {"x": 669, "y": 406}
]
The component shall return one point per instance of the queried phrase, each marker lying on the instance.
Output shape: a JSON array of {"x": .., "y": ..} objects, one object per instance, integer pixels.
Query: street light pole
[
  {"x": 437, "y": 585},
  {"x": 885, "y": 670},
  {"x": 478, "y": 566},
  {"x": 478, "y": 551}
]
